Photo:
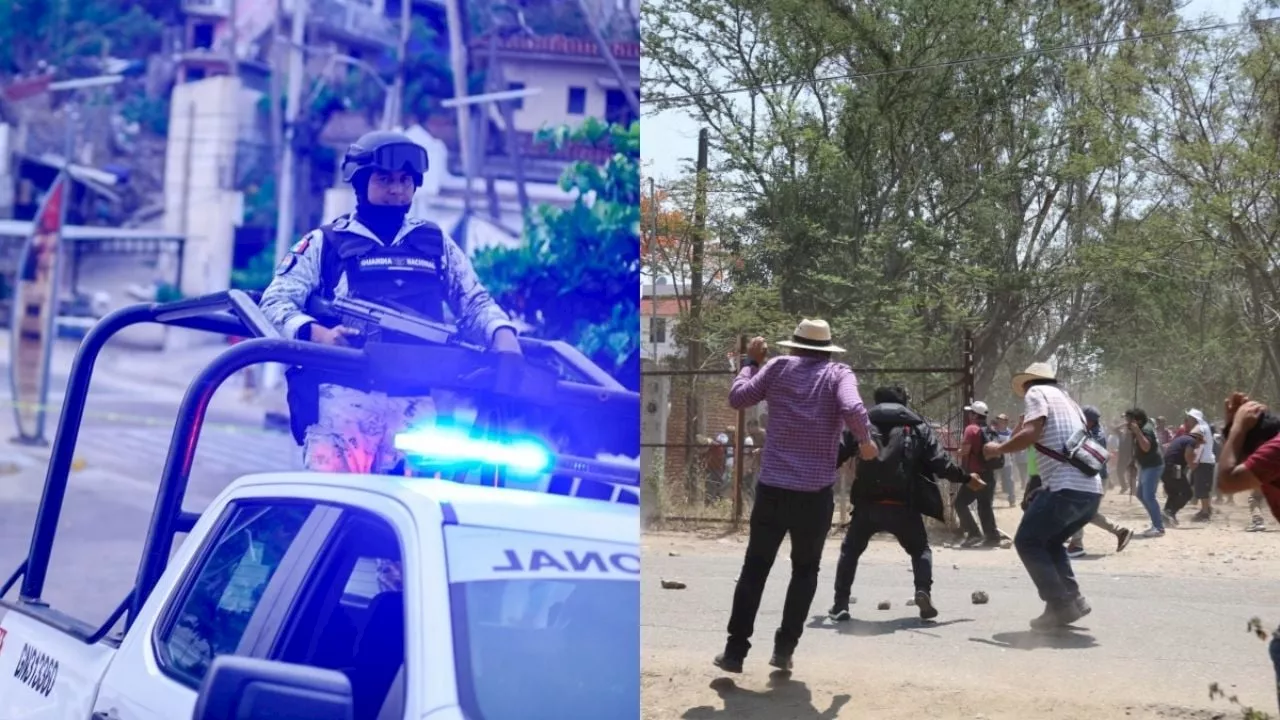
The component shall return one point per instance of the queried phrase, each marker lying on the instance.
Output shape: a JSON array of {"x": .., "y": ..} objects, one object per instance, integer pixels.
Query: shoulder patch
[
  {"x": 302, "y": 245},
  {"x": 287, "y": 264}
]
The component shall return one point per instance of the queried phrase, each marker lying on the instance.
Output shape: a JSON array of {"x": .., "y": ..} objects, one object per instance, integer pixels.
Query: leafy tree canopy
[
  {"x": 575, "y": 276},
  {"x": 1109, "y": 207}
]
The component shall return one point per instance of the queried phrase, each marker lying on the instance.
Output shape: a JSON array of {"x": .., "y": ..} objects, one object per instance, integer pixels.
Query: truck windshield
[{"x": 559, "y": 638}]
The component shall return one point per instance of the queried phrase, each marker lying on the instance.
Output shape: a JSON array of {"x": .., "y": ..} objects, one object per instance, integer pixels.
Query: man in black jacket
[{"x": 891, "y": 493}]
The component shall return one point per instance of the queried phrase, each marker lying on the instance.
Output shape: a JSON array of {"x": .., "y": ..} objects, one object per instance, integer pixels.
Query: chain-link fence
[{"x": 701, "y": 458}]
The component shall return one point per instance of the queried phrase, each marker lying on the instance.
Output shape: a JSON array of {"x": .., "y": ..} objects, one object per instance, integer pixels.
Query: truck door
[
  {"x": 213, "y": 600},
  {"x": 351, "y": 612}
]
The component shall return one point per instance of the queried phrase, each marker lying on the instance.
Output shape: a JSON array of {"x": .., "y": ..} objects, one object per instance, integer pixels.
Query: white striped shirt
[{"x": 1062, "y": 418}]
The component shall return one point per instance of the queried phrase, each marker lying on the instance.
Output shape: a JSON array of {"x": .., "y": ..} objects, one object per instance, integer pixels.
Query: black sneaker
[
  {"x": 925, "y": 603},
  {"x": 780, "y": 661},
  {"x": 972, "y": 541},
  {"x": 839, "y": 613},
  {"x": 1201, "y": 516},
  {"x": 728, "y": 663},
  {"x": 1170, "y": 519},
  {"x": 1122, "y": 539}
]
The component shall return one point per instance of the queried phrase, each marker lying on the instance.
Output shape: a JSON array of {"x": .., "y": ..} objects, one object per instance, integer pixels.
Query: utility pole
[
  {"x": 234, "y": 37},
  {"x": 969, "y": 380},
  {"x": 277, "y": 129},
  {"x": 691, "y": 405},
  {"x": 458, "y": 64},
  {"x": 494, "y": 82},
  {"x": 187, "y": 157},
  {"x": 288, "y": 164},
  {"x": 653, "y": 266},
  {"x": 398, "y": 89},
  {"x": 273, "y": 373},
  {"x": 698, "y": 249}
]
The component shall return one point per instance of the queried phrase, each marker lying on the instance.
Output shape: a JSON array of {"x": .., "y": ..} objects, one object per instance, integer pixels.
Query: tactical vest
[{"x": 409, "y": 274}]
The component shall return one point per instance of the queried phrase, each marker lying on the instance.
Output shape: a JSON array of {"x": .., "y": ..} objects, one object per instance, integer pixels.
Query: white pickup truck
[{"x": 343, "y": 597}]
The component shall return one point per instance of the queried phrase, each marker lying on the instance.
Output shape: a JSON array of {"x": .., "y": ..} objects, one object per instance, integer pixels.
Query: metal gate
[{"x": 700, "y": 458}]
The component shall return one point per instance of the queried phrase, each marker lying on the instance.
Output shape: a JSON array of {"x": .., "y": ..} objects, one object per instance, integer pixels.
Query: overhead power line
[{"x": 684, "y": 100}]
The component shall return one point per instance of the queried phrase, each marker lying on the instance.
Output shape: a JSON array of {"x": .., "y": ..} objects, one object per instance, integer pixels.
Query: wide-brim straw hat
[
  {"x": 1034, "y": 371},
  {"x": 812, "y": 335}
]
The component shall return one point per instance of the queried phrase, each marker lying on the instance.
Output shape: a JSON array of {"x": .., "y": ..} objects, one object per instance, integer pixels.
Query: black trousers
[
  {"x": 986, "y": 512},
  {"x": 777, "y": 513},
  {"x": 899, "y": 521},
  {"x": 1177, "y": 488}
]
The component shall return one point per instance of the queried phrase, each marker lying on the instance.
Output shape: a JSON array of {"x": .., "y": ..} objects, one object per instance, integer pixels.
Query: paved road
[
  {"x": 1150, "y": 648},
  {"x": 122, "y": 446}
]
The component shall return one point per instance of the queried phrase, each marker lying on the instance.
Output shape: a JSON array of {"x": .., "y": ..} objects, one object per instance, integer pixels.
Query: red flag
[
  {"x": 34, "y": 310},
  {"x": 27, "y": 88}
]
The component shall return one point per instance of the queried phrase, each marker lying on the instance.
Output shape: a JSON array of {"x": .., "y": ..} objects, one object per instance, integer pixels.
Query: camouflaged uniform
[{"x": 356, "y": 429}]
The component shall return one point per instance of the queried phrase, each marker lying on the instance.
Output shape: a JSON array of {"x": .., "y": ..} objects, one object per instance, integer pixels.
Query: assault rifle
[
  {"x": 388, "y": 334},
  {"x": 383, "y": 323}
]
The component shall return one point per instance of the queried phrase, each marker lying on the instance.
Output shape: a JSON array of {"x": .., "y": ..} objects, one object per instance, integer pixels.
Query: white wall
[
  {"x": 664, "y": 349},
  {"x": 206, "y": 118},
  {"x": 551, "y": 106}
]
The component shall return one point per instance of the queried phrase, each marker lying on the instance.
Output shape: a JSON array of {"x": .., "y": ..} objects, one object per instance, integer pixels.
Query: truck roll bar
[
  {"x": 167, "y": 515},
  {"x": 236, "y": 313},
  {"x": 232, "y": 312}
]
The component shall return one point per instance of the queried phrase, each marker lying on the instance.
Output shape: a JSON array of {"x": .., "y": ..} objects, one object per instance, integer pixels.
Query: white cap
[
  {"x": 979, "y": 408},
  {"x": 1197, "y": 416}
]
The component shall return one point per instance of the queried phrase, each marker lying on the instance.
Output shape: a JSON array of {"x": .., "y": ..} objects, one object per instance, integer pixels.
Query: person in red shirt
[
  {"x": 1250, "y": 461},
  {"x": 976, "y": 435},
  {"x": 1251, "y": 451}
]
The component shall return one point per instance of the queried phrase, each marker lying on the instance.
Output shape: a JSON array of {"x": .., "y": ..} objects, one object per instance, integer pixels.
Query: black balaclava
[{"x": 384, "y": 220}]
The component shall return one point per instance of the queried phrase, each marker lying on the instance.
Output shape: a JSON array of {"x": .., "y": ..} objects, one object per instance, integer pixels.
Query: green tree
[
  {"x": 34, "y": 31},
  {"x": 917, "y": 197},
  {"x": 428, "y": 73},
  {"x": 575, "y": 276}
]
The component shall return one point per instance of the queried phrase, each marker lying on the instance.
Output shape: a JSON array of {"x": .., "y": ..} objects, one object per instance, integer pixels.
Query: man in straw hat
[
  {"x": 1067, "y": 500},
  {"x": 811, "y": 397}
]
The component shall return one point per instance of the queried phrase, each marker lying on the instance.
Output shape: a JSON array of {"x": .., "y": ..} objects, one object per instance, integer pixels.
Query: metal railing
[{"x": 698, "y": 465}]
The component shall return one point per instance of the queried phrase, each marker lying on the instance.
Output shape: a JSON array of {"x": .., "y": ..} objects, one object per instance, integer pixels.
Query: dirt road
[{"x": 1169, "y": 619}]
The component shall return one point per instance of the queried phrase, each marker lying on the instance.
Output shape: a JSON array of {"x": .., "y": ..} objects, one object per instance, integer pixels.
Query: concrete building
[
  {"x": 659, "y": 317},
  {"x": 350, "y": 27},
  {"x": 574, "y": 79}
]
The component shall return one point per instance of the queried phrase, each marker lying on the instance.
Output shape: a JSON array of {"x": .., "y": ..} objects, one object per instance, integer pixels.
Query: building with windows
[
  {"x": 574, "y": 79},
  {"x": 659, "y": 316}
]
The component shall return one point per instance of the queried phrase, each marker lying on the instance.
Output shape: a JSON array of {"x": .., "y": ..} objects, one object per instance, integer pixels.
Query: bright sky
[{"x": 670, "y": 139}]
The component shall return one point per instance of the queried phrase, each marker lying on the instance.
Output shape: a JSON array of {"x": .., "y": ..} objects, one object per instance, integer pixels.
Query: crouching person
[
  {"x": 892, "y": 492},
  {"x": 1250, "y": 462}
]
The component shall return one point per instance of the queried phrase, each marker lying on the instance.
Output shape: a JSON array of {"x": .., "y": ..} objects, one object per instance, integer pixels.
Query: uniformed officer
[{"x": 376, "y": 253}]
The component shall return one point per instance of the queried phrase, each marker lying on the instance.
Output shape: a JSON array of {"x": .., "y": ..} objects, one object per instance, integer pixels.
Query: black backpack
[
  {"x": 892, "y": 475},
  {"x": 989, "y": 435}
]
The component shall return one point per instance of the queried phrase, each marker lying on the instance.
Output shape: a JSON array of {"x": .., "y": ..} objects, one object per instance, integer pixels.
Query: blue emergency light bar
[
  {"x": 454, "y": 446},
  {"x": 526, "y": 460}
]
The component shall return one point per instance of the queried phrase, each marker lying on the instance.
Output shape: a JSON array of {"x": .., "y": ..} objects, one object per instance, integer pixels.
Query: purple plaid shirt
[{"x": 809, "y": 399}]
